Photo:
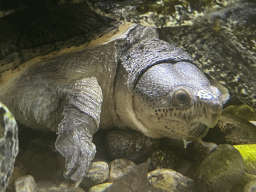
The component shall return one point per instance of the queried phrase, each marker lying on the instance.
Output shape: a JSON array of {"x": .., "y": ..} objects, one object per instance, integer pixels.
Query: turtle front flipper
[{"x": 81, "y": 120}]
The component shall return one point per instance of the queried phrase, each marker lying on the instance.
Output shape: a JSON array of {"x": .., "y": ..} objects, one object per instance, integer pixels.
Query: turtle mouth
[
  {"x": 193, "y": 122},
  {"x": 186, "y": 131}
]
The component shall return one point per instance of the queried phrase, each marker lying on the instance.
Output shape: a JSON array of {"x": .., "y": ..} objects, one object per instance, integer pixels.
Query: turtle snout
[{"x": 215, "y": 111}]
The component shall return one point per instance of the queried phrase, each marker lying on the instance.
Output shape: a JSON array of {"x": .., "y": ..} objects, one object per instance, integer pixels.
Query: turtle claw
[{"x": 78, "y": 150}]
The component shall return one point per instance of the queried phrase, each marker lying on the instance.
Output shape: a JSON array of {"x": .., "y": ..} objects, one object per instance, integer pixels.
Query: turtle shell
[{"x": 52, "y": 32}]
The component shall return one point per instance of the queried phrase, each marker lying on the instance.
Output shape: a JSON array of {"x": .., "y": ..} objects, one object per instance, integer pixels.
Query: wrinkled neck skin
[{"x": 160, "y": 92}]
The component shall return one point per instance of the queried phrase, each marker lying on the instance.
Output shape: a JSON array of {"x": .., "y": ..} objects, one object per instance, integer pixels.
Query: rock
[
  {"x": 163, "y": 159},
  {"x": 98, "y": 173},
  {"x": 199, "y": 150},
  {"x": 220, "y": 170},
  {"x": 135, "y": 180},
  {"x": 130, "y": 145},
  {"x": 9, "y": 145},
  {"x": 18, "y": 171},
  {"x": 243, "y": 111},
  {"x": 250, "y": 187},
  {"x": 170, "y": 180},
  {"x": 26, "y": 184},
  {"x": 237, "y": 130},
  {"x": 248, "y": 153},
  {"x": 100, "y": 187},
  {"x": 119, "y": 168}
]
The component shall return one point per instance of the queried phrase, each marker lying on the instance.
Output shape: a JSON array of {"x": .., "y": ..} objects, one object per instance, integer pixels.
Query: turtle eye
[{"x": 181, "y": 97}]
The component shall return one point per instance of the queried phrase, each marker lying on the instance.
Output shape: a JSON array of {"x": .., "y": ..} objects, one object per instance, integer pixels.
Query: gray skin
[{"x": 134, "y": 81}]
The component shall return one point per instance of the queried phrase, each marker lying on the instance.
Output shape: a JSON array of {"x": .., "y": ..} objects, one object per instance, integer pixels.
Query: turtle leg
[{"x": 81, "y": 116}]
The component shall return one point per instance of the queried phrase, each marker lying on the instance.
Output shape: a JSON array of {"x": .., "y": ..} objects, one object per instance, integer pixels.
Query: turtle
[{"x": 73, "y": 71}]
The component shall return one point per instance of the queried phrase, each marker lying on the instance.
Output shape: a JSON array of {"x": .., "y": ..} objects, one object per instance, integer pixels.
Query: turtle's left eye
[{"x": 181, "y": 97}]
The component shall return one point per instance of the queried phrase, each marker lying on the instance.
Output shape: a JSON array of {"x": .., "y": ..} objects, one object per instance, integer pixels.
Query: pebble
[
  {"x": 98, "y": 173},
  {"x": 26, "y": 184},
  {"x": 119, "y": 168},
  {"x": 170, "y": 180},
  {"x": 220, "y": 170}
]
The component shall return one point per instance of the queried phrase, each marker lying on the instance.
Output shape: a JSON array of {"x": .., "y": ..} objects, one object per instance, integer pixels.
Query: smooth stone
[
  {"x": 220, "y": 170},
  {"x": 98, "y": 173},
  {"x": 119, "y": 168},
  {"x": 129, "y": 144},
  {"x": 100, "y": 188},
  {"x": 25, "y": 184},
  {"x": 170, "y": 180},
  {"x": 250, "y": 187}
]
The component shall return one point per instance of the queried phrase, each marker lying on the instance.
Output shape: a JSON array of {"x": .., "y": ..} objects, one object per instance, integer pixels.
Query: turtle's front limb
[{"x": 81, "y": 120}]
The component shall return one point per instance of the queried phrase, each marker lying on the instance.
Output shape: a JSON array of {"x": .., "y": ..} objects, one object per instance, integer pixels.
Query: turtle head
[
  {"x": 176, "y": 101},
  {"x": 160, "y": 92}
]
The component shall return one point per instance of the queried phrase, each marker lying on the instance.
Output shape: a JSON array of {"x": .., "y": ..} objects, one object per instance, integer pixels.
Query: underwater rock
[
  {"x": 26, "y": 184},
  {"x": 248, "y": 153},
  {"x": 98, "y": 173},
  {"x": 157, "y": 13},
  {"x": 135, "y": 180},
  {"x": 18, "y": 171},
  {"x": 163, "y": 159},
  {"x": 236, "y": 129},
  {"x": 130, "y": 145},
  {"x": 170, "y": 180},
  {"x": 220, "y": 171},
  {"x": 9, "y": 145},
  {"x": 119, "y": 168},
  {"x": 100, "y": 187}
]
